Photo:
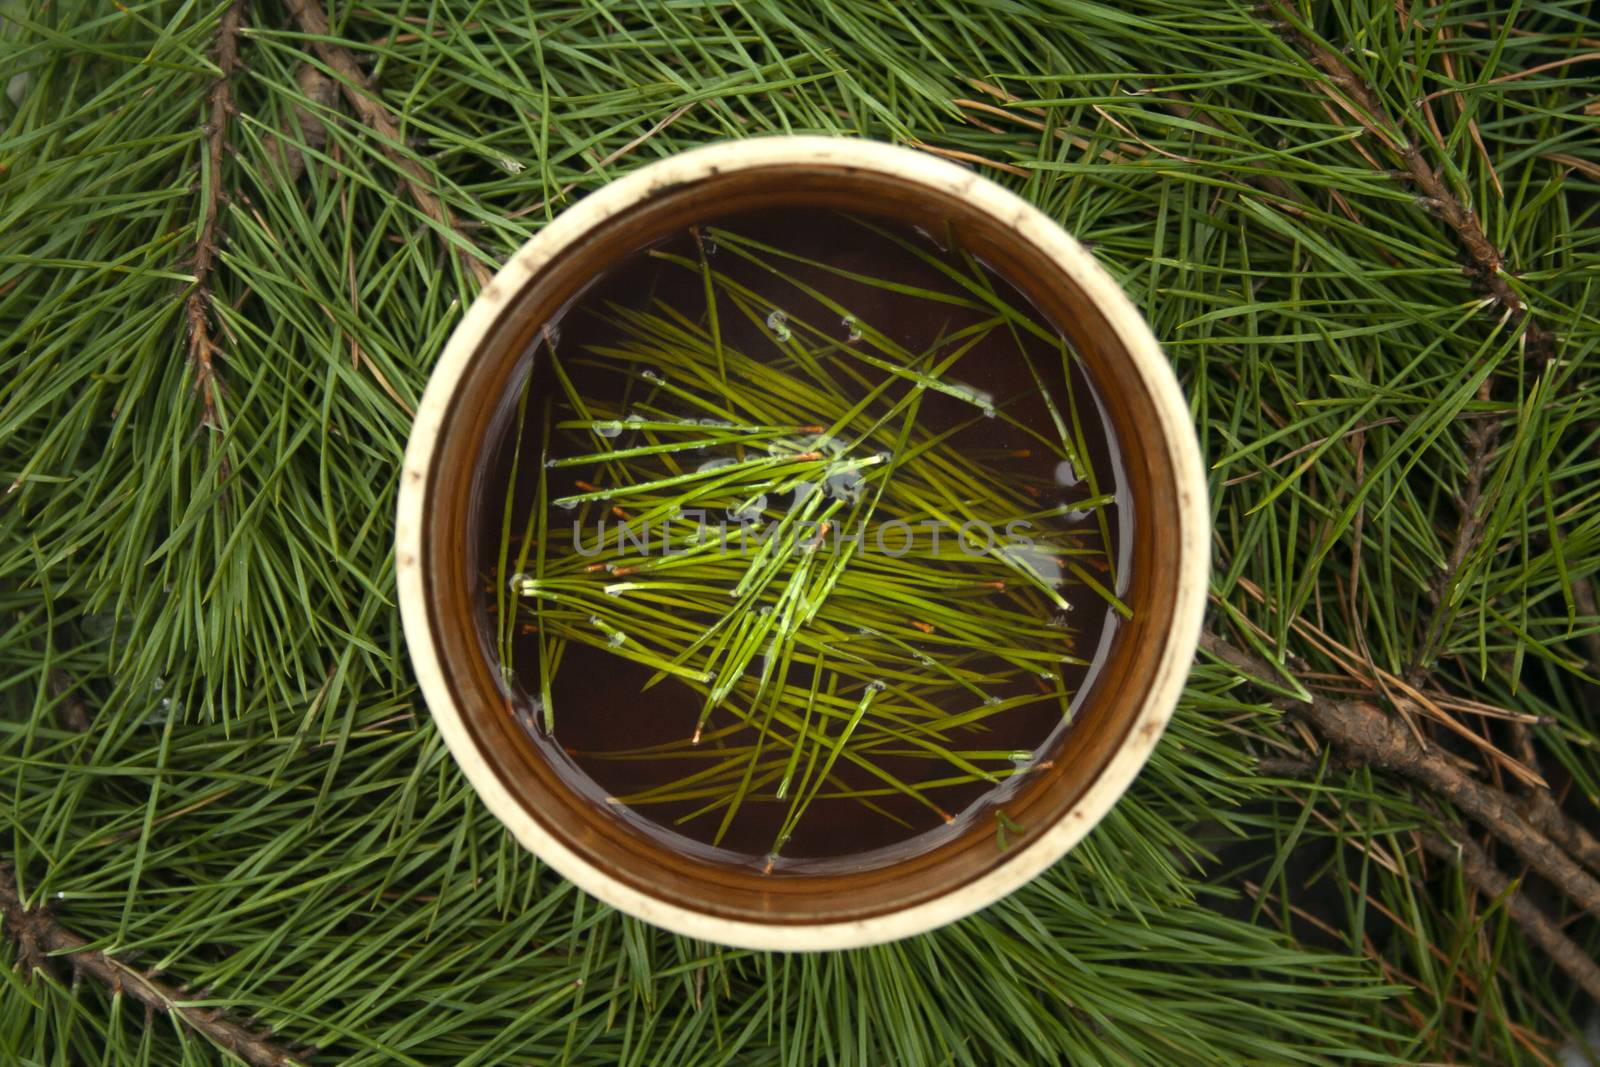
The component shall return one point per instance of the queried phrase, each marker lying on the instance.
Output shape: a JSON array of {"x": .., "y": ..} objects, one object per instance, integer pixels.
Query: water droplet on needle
[{"x": 778, "y": 323}]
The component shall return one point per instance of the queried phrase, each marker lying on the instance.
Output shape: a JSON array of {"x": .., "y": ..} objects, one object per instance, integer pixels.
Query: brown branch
[
  {"x": 1563, "y": 829},
  {"x": 1361, "y": 101},
  {"x": 197, "y": 306},
  {"x": 372, "y": 111},
  {"x": 1300, "y": 767},
  {"x": 322, "y": 91},
  {"x": 1482, "y": 440},
  {"x": 1487, "y": 261},
  {"x": 1536, "y": 828},
  {"x": 1480, "y": 873},
  {"x": 1408, "y": 698},
  {"x": 1540, "y": 808},
  {"x": 41, "y": 940},
  {"x": 1360, "y": 730}
]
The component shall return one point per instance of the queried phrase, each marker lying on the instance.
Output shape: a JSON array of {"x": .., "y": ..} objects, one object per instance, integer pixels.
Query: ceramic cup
[{"x": 1116, "y": 726}]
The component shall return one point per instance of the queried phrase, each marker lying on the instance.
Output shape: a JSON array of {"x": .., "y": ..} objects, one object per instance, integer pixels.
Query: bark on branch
[
  {"x": 1488, "y": 263},
  {"x": 304, "y": 122},
  {"x": 1361, "y": 730},
  {"x": 353, "y": 81},
  {"x": 41, "y": 941},
  {"x": 1541, "y": 809},
  {"x": 197, "y": 306},
  {"x": 1481, "y": 873}
]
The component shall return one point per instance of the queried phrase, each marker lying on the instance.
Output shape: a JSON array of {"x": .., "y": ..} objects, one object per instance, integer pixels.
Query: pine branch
[
  {"x": 41, "y": 939},
  {"x": 1540, "y": 808},
  {"x": 1322, "y": 344},
  {"x": 1488, "y": 262},
  {"x": 1482, "y": 440},
  {"x": 1488, "y": 272},
  {"x": 322, "y": 91},
  {"x": 1363, "y": 734},
  {"x": 372, "y": 111},
  {"x": 1361, "y": 730},
  {"x": 220, "y": 106},
  {"x": 1480, "y": 873}
]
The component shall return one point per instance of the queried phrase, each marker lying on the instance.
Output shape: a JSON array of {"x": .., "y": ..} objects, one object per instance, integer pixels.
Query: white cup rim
[{"x": 1027, "y": 858}]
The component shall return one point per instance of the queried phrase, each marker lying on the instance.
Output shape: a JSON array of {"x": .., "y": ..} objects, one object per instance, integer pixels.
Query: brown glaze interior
[{"x": 1104, "y": 719}]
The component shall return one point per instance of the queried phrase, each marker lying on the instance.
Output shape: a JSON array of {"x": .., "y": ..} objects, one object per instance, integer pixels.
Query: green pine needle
[{"x": 215, "y": 762}]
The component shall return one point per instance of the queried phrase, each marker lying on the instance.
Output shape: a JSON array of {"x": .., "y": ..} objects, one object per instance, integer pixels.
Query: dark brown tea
[{"x": 801, "y": 543}]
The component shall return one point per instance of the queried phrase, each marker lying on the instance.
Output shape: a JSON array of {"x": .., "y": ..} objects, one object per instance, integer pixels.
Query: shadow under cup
[{"x": 1111, "y": 716}]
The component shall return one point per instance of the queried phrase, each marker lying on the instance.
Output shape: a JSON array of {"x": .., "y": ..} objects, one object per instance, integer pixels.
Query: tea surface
[{"x": 801, "y": 542}]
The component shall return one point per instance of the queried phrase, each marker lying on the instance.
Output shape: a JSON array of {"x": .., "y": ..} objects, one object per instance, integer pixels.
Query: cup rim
[{"x": 1176, "y": 428}]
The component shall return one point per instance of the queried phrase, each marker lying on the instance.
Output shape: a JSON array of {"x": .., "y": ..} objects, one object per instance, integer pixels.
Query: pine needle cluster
[{"x": 233, "y": 237}]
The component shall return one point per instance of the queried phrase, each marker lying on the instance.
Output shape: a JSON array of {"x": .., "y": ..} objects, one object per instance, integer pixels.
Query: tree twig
[
  {"x": 1482, "y": 440},
  {"x": 323, "y": 92},
  {"x": 41, "y": 939},
  {"x": 197, "y": 306},
  {"x": 1540, "y": 808},
  {"x": 1480, "y": 873},
  {"x": 353, "y": 82},
  {"x": 1487, "y": 261},
  {"x": 1361, "y": 101},
  {"x": 1361, "y": 730}
]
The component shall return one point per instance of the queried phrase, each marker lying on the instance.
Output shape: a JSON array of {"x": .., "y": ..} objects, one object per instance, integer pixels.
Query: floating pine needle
[{"x": 871, "y": 511}]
